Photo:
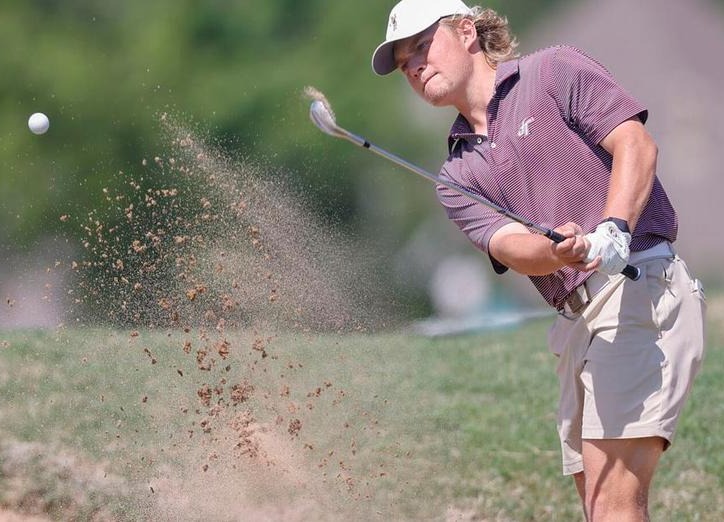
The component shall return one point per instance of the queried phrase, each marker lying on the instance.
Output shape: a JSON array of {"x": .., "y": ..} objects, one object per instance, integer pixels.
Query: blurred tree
[{"x": 104, "y": 71}]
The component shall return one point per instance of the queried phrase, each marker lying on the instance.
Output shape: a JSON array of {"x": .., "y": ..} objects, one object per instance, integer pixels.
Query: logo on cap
[{"x": 393, "y": 22}]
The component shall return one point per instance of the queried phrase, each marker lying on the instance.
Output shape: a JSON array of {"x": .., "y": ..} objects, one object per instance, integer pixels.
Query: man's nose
[{"x": 416, "y": 66}]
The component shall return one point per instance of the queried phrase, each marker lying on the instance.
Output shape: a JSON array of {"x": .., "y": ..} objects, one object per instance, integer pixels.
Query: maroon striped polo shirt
[{"x": 542, "y": 160}]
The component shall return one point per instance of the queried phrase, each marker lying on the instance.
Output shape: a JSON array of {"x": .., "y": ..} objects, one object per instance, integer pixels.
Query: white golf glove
[{"x": 612, "y": 245}]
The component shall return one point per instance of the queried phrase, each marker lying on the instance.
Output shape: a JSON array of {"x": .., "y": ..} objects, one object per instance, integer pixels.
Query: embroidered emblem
[
  {"x": 524, "y": 128},
  {"x": 393, "y": 22}
]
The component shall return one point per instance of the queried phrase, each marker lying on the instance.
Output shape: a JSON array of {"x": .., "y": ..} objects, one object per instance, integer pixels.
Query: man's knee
[{"x": 616, "y": 505}]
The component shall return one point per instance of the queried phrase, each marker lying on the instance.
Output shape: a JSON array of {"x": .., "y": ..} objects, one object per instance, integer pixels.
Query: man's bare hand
[{"x": 573, "y": 250}]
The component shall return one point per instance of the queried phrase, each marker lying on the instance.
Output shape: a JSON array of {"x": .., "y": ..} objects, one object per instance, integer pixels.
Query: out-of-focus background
[
  {"x": 209, "y": 310},
  {"x": 104, "y": 72}
]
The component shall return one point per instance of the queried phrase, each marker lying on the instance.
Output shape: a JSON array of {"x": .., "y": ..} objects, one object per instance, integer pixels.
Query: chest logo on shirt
[{"x": 524, "y": 128}]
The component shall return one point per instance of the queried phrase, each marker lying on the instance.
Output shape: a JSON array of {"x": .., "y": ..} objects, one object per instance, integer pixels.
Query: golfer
[{"x": 553, "y": 137}]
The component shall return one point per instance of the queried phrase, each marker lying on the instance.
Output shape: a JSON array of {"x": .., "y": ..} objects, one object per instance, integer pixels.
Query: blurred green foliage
[{"x": 103, "y": 72}]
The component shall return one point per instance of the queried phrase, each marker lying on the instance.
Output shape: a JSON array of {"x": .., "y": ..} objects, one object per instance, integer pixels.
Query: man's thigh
[{"x": 620, "y": 469}]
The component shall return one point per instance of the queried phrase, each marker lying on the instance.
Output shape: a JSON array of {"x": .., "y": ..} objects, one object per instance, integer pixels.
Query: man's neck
[{"x": 479, "y": 92}]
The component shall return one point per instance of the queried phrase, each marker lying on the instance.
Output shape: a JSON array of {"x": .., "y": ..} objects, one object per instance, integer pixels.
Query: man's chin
[
  {"x": 435, "y": 97},
  {"x": 436, "y": 100}
]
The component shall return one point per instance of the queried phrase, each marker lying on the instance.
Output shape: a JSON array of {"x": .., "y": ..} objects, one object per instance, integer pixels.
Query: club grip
[
  {"x": 555, "y": 236},
  {"x": 632, "y": 272}
]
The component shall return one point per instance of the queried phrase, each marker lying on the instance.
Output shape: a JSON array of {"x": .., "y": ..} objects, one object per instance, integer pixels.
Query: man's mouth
[{"x": 426, "y": 80}]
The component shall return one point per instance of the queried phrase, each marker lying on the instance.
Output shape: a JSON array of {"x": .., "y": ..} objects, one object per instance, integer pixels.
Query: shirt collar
[
  {"x": 505, "y": 71},
  {"x": 460, "y": 127}
]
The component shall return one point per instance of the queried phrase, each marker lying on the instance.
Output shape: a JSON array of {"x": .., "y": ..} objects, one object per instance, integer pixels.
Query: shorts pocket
[
  {"x": 659, "y": 276},
  {"x": 697, "y": 288}
]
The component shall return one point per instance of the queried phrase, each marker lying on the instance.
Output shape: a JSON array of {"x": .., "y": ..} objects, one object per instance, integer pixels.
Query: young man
[{"x": 552, "y": 136}]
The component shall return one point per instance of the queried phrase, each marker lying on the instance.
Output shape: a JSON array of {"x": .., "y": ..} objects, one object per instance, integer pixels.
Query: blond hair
[{"x": 494, "y": 35}]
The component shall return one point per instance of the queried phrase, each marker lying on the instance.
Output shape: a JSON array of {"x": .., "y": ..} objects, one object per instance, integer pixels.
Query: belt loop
[{"x": 587, "y": 294}]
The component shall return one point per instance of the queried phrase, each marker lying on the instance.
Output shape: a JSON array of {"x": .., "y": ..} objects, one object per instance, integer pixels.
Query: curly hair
[{"x": 496, "y": 39}]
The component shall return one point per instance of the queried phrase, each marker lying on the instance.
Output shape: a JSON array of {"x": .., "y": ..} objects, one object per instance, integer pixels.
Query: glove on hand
[{"x": 612, "y": 245}]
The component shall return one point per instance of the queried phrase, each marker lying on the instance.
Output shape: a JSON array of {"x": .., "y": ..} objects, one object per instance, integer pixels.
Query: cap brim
[{"x": 383, "y": 59}]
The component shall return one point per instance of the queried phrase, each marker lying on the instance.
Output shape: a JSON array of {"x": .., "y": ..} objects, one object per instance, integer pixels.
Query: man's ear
[{"x": 466, "y": 28}]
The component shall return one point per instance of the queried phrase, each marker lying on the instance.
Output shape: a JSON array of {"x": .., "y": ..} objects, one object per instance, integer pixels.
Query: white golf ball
[{"x": 38, "y": 123}]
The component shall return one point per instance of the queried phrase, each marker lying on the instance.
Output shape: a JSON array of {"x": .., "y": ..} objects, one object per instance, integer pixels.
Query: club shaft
[{"x": 629, "y": 271}]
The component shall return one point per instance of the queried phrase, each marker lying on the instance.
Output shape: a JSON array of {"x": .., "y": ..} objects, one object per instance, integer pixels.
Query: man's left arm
[{"x": 633, "y": 170}]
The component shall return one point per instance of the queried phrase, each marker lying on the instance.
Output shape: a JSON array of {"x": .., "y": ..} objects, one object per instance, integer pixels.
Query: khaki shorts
[{"x": 628, "y": 359}]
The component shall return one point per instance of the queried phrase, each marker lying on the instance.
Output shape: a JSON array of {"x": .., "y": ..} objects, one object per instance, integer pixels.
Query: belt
[
  {"x": 586, "y": 291},
  {"x": 663, "y": 249}
]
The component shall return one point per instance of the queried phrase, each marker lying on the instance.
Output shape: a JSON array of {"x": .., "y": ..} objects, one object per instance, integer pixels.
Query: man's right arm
[{"x": 516, "y": 247}]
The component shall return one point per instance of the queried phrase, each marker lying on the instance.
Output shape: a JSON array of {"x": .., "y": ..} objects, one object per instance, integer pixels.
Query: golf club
[{"x": 321, "y": 114}]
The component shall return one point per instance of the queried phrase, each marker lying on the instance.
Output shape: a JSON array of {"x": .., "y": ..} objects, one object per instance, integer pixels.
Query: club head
[{"x": 322, "y": 118}]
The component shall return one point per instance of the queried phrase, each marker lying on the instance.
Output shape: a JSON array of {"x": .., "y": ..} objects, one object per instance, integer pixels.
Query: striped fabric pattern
[{"x": 541, "y": 157}]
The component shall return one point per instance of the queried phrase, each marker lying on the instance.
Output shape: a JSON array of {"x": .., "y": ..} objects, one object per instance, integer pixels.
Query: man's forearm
[{"x": 526, "y": 253}]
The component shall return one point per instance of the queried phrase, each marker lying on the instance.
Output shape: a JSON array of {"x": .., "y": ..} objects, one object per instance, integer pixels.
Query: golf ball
[{"x": 38, "y": 123}]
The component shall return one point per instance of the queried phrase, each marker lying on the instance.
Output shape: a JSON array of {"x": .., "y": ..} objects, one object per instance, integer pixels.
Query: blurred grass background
[{"x": 460, "y": 427}]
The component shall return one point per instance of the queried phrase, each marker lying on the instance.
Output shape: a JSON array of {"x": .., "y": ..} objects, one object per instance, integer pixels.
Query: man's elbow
[{"x": 650, "y": 151}]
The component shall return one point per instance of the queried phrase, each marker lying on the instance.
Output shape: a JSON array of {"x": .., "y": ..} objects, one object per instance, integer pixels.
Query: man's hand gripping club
[{"x": 606, "y": 249}]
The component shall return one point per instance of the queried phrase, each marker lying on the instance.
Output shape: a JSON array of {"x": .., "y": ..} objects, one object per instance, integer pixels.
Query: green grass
[{"x": 393, "y": 427}]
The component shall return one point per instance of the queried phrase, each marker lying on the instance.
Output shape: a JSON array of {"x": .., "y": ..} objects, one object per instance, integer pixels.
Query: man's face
[{"x": 435, "y": 63}]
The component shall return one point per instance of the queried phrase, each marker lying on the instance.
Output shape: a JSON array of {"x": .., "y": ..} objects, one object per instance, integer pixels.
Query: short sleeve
[
  {"x": 587, "y": 95},
  {"x": 476, "y": 221}
]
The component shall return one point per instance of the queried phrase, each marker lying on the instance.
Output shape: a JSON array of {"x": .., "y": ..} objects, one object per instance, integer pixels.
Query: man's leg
[
  {"x": 633, "y": 380},
  {"x": 580, "y": 480},
  {"x": 616, "y": 478}
]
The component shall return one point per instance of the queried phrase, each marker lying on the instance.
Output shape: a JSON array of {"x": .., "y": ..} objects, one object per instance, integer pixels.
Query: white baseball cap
[{"x": 408, "y": 18}]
